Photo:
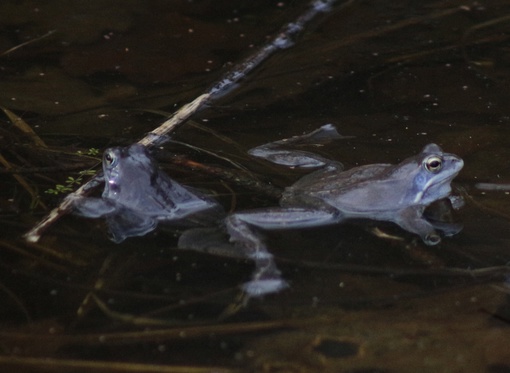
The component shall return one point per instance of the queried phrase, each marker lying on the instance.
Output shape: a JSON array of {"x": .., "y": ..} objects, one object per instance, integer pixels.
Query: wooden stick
[{"x": 285, "y": 38}]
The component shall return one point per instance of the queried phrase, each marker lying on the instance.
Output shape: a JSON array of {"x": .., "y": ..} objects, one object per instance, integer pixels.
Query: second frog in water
[{"x": 138, "y": 196}]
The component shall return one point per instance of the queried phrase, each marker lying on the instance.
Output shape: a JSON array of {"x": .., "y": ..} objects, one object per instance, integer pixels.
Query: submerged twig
[
  {"x": 24, "y": 127},
  {"x": 478, "y": 27},
  {"x": 481, "y": 206},
  {"x": 164, "y": 334},
  {"x": 5, "y": 245},
  {"x": 62, "y": 365},
  {"x": 453, "y": 272},
  {"x": 240, "y": 177},
  {"x": 27, "y": 43},
  {"x": 283, "y": 39},
  {"x": 10, "y": 295},
  {"x": 21, "y": 180},
  {"x": 129, "y": 318}
]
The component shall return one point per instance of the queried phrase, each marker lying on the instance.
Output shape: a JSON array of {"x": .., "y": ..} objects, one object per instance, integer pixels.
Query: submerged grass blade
[
  {"x": 49, "y": 33},
  {"x": 11, "y": 363},
  {"x": 14, "y": 299},
  {"x": 24, "y": 184},
  {"x": 23, "y": 127}
]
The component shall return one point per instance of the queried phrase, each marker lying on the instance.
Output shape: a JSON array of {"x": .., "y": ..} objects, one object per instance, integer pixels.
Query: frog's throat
[{"x": 444, "y": 187}]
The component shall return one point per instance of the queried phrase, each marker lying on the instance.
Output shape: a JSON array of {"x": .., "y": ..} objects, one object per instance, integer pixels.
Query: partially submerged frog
[
  {"x": 137, "y": 196},
  {"x": 395, "y": 193}
]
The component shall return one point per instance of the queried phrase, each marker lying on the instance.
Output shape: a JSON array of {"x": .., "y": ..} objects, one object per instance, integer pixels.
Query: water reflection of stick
[{"x": 283, "y": 39}]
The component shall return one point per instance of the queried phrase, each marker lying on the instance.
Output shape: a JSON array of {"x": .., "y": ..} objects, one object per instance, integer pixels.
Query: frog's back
[{"x": 331, "y": 180}]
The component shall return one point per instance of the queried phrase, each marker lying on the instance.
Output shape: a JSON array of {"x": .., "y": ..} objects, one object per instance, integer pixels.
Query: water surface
[{"x": 364, "y": 296}]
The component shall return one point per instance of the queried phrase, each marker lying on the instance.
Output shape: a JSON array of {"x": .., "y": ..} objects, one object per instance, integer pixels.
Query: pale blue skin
[
  {"x": 137, "y": 196},
  {"x": 395, "y": 193}
]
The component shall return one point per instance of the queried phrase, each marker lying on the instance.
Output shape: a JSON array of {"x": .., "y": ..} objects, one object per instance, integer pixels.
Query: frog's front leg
[
  {"x": 92, "y": 207},
  {"x": 126, "y": 223},
  {"x": 412, "y": 220},
  {"x": 122, "y": 221},
  {"x": 243, "y": 229}
]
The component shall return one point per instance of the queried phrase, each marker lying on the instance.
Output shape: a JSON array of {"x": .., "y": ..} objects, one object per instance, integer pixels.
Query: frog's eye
[
  {"x": 109, "y": 158},
  {"x": 434, "y": 164}
]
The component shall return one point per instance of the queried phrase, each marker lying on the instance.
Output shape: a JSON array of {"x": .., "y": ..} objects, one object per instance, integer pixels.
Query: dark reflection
[
  {"x": 498, "y": 368},
  {"x": 337, "y": 349}
]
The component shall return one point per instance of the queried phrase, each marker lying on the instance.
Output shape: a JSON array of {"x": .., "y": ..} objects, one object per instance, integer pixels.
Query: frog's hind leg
[
  {"x": 243, "y": 227},
  {"x": 209, "y": 240},
  {"x": 243, "y": 230},
  {"x": 275, "y": 152}
]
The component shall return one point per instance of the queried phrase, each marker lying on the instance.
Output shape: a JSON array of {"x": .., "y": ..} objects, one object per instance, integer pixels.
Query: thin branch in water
[
  {"x": 129, "y": 318},
  {"x": 24, "y": 127},
  {"x": 21, "y": 180},
  {"x": 4, "y": 245},
  {"x": 239, "y": 177},
  {"x": 212, "y": 154},
  {"x": 472, "y": 30},
  {"x": 164, "y": 334},
  {"x": 13, "y": 363},
  {"x": 49, "y": 33},
  {"x": 14, "y": 298}
]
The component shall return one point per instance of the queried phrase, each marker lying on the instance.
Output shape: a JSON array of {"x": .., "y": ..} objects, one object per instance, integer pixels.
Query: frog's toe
[{"x": 432, "y": 239}]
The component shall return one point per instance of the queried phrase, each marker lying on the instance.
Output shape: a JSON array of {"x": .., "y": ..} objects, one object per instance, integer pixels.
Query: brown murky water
[{"x": 394, "y": 76}]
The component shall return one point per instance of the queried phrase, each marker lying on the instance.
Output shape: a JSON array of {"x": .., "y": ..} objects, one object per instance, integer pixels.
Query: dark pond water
[{"x": 364, "y": 296}]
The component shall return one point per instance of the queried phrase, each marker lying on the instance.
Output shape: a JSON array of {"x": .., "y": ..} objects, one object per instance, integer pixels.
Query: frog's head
[
  {"x": 126, "y": 169},
  {"x": 432, "y": 175}
]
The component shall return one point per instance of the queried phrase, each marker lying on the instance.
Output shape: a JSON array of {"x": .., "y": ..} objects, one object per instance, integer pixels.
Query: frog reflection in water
[
  {"x": 395, "y": 193},
  {"x": 137, "y": 196}
]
